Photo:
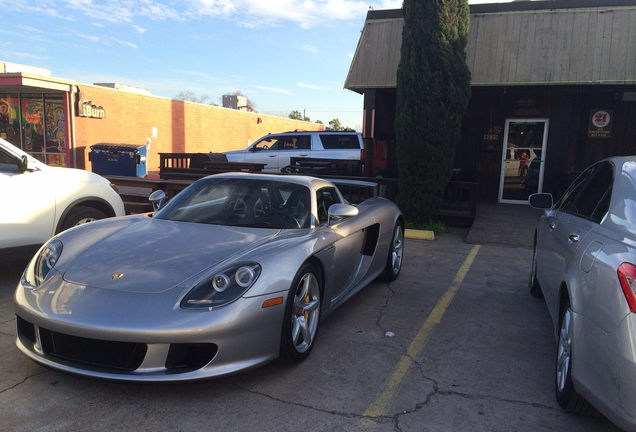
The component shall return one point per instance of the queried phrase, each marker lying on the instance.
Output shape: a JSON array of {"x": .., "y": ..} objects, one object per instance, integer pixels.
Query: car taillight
[
  {"x": 362, "y": 155},
  {"x": 627, "y": 277}
]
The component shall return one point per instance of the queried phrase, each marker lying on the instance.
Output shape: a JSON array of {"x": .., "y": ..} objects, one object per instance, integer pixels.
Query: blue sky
[{"x": 282, "y": 54}]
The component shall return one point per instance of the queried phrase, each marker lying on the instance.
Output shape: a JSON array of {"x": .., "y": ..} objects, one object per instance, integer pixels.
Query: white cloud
[
  {"x": 274, "y": 90},
  {"x": 312, "y": 86},
  {"x": 309, "y": 48},
  {"x": 247, "y": 13},
  {"x": 125, "y": 43},
  {"x": 88, "y": 37},
  {"x": 96, "y": 24},
  {"x": 350, "y": 55},
  {"x": 29, "y": 29},
  {"x": 139, "y": 29},
  {"x": 8, "y": 54}
]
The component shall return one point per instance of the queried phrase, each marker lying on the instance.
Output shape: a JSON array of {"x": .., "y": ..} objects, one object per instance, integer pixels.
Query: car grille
[{"x": 126, "y": 356}]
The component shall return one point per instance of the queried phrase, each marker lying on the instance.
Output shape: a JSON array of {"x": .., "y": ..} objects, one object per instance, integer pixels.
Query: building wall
[{"x": 181, "y": 126}]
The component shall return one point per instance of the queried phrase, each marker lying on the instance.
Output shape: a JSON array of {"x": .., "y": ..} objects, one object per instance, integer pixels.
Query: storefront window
[
  {"x": 10, "y": 118},
  {"x": 33, "y": 126},
  {"x": 55, "y": 123},
  {"x": 36, "y": 123}
]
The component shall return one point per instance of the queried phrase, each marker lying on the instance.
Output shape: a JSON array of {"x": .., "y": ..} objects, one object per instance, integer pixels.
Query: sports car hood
[{"x": 154, "y": 255}]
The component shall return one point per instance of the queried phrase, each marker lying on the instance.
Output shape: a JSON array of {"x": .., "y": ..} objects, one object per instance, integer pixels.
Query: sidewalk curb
[{"x": 419, "y": 234}]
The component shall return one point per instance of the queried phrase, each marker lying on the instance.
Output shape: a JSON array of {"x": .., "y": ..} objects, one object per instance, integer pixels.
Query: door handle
[
  {"x": 303, "y": 155},
  {"x": 574, "y": 238},
  {"x": 552, "y": 226},
  {"x": 272, "y": 155}
]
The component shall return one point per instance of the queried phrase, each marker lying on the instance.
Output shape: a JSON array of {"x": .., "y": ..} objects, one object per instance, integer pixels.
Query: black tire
[
  {"x": 79, "y": 215},
  {"x": 392, "y": 269},
  {"x": 302, "y": 313},
  {"x": 533, "y": 283},
  {"x": 566, "y": 394}
]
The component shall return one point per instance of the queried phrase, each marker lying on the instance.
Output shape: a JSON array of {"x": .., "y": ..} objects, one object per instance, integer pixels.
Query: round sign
[{"x": 600, "y": 119}]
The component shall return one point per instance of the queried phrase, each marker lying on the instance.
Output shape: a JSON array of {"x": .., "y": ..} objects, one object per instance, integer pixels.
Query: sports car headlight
[
  {"x": 223, "y": 287},
  {"x": 41, "y": 265}
]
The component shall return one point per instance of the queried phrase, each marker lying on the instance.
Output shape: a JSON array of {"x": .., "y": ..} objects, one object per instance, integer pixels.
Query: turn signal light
[
  {"x": 627, "y": 277},
  {"x": 272, "y": 302}
]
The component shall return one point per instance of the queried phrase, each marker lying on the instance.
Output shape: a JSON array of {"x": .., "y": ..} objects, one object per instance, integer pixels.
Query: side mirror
[
  {"x": 23, "y": 164},
  {"x": 158, "y": 199},
  {"x": 338, "y": 212},
  {"x": 541, "y": 201}
]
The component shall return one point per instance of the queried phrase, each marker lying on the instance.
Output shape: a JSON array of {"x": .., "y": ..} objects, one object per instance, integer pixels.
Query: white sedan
[{"x": 39, "y": 201}]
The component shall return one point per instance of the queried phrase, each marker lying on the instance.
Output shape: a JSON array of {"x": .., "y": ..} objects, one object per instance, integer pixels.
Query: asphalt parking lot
[{"x": 452, "y": 345}]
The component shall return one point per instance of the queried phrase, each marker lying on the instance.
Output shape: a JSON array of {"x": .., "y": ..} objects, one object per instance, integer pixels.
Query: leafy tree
[
  {"x": 433, "y": 89},
  {"x": 297, "y": 115},
  {"x": 189, "y": 96},
  {"x": 334, "y": 125},
  {"x": 319, "y": 121}
]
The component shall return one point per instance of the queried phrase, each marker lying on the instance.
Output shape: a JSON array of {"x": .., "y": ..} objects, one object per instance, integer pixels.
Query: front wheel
[
  {"x": 396, "y": 252},
  {"x": 80, "y": 215},
  {"x": 302, "y": 313},
  {"x": 566, "y": 395}
]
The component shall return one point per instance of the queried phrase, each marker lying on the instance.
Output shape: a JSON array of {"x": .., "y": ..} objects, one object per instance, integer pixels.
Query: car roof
[
  {"x": 308, "y": 181},
  {"x": 314, "y": 132}
]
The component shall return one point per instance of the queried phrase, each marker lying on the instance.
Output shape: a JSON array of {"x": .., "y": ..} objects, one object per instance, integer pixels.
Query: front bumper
[{"x": 141, "y": 337}]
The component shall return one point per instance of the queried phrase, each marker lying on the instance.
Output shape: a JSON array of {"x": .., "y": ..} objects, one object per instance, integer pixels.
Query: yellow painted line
[
  {"x": 419, "y": 234},
  {"x": 380, "y": 406}
]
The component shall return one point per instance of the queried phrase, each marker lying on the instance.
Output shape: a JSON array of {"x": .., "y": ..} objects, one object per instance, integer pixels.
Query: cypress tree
[{"x": 433, "y": 89}]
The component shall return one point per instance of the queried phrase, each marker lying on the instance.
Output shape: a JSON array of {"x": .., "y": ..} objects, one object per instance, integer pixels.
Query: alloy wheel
[
  {"x": 564, "y": 354},
  {"x": 305, "y": 313}
]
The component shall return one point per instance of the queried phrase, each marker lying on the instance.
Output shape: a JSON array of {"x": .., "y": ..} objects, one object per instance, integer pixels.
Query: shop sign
[
  {"x": 600, "y": 125},
  {"x": 87, "y": 109}
]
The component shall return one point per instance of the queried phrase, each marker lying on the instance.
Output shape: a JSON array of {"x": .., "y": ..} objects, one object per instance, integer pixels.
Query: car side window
[
  {"x": 567, "y": 202},
  {"x": 337, "y": 141},
  {"x": 7, "y": 162},
  {"x": 272, "y": 143},
  {"x": 294, "y": 142},
  {"x": 591, "y": 198},
  {"x": 325, "y": 197}
]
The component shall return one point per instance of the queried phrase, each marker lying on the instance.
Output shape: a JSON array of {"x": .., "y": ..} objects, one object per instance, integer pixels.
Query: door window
[
  {"x": 294, "y": 142},
  {"x": 325, "y": 197},
  {"x": 270, "y": 143},
  {"x": 8, "y": 163},
  {"x": 590, "y": 195}
]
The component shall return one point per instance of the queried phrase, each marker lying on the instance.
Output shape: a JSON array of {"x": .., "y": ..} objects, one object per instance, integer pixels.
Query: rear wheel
[
  {"x": 396, "y": 252},
  {"x": 80, "y": 215},
  {"x": 302, "y": 313},
  {"x": 566, "y": 395}
]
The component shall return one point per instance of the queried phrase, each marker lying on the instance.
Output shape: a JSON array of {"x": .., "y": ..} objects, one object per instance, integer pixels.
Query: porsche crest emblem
[{"x": 116, "y": 276}]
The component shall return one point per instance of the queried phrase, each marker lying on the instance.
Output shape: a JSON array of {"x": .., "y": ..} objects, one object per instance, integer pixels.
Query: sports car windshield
[{"x": 241, "y": 202}]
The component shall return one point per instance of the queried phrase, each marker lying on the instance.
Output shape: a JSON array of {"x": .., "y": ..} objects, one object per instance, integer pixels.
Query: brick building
[{"x": 57, "y": 120}]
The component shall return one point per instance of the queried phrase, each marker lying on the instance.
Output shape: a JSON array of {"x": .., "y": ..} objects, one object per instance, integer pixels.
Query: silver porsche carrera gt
[{"x": 234, "y": 270}]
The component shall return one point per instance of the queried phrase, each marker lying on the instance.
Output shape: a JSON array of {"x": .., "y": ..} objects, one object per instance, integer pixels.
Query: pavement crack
[
  {"x": 378, "y": 419},
  {"x": 387, "y": 299},
  {"x": 24, "y": 380},
  {"x": 9, "y": 320},
  {"x": 494, "y": 398}
]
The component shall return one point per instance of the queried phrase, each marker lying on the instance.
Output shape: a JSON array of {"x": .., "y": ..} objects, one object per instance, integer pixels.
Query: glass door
[{"x": 523, "y": 159}]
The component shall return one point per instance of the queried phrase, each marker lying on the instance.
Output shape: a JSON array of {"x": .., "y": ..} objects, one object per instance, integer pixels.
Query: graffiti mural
[
  {"x": 9, "y": 119},
  {"x": 33, "y": 125}
]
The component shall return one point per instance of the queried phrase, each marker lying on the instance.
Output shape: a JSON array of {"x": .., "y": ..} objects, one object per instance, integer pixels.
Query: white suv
[
  {"x": 38, "y": 201},
  {"x": 275, "y": 150}
]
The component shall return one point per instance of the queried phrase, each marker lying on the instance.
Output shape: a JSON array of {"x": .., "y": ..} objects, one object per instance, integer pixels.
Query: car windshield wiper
[{"x": 255, "y": 225}]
